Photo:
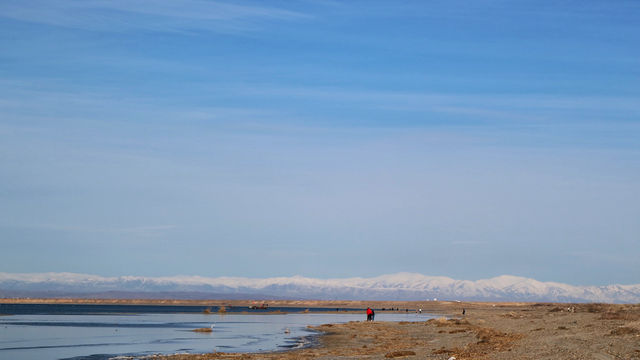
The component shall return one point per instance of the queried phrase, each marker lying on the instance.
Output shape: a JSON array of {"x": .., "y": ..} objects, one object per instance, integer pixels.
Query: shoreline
[
  {"x": 503, "y": 332},
  {"x": 274, "y": 306},
  {"x": 488, "y": 330},
  {"x": 347, "y": 304}
]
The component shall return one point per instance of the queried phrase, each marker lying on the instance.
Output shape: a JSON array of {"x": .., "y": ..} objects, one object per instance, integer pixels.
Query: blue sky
[{"x": 321, "y": 138}]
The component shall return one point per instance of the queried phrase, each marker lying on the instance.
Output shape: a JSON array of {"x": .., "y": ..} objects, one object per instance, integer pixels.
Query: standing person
[
  {"x": 369, "y": 314},
  {"x": 373, "y": 315}
]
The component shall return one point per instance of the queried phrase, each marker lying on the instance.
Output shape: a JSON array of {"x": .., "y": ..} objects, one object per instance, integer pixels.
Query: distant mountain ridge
[{"x": 400, "y": 286}]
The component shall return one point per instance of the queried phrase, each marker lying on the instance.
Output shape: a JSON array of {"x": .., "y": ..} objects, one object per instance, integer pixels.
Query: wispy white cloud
[
  {"x": 149, "y": 15},
  {"x": 496, "y": 106},
  {"x": 39, "y": 99}
]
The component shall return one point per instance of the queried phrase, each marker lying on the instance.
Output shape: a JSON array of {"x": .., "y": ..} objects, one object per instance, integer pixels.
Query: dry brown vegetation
[
  {"x": 402, "y": 353},
  {"x": 203, "y": 330}
]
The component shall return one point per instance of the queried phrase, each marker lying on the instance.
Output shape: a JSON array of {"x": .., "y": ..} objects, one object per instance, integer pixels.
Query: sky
[{"x": 321, "y": 138}]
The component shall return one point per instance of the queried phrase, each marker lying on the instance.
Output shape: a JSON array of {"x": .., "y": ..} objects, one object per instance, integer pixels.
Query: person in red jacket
[{"x": 369, "y": 314}]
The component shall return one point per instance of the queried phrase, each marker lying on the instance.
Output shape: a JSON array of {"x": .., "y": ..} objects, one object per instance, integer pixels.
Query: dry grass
[
  {"x": 620, "y": 314},
  {"x": 593, "y": 308},
  {"x": 441, "y": 321},
  {"x": 489, "y": 341},
  {"x": 487, "y": 334},
  {"x": 442, "y": 351},
  {"x": 401, "y": 353},
  {"x": 203, "y": 330},
  {"x": 513, "y": 315},
  {"x": 624, "y": 330}
]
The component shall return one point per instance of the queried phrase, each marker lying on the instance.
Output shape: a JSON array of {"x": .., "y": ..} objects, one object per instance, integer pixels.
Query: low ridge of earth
[{"x": 486, "y": 331}]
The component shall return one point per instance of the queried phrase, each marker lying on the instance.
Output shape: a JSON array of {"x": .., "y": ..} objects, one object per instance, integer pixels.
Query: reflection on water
[{"x": 66, "y": 336}]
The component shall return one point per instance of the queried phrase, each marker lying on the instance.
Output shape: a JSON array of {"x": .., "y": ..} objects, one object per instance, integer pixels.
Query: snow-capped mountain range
[{"x": 400, "y": 286}]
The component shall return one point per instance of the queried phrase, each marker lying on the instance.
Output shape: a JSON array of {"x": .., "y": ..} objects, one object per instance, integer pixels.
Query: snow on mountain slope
[{"x": 400, "y": 286}]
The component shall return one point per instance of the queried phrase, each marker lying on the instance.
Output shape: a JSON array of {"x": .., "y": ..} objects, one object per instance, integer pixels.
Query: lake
[{"x": 99, "y": 332}]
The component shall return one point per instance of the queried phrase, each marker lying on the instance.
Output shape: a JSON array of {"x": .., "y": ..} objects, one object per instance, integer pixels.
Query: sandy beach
[{"x": 487, "y": 331}]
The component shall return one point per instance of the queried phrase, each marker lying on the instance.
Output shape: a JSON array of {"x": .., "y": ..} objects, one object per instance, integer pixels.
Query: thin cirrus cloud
[
  {"x": 268, "y": 106},
  {"x": 156, "y": 15},
  {"x": 499, "y": 107},
  {"x": 420, "y": 99}
]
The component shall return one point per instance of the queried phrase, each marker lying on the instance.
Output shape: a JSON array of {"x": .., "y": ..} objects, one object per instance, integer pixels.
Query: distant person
[
  {"x": 369, "y": 314},
  {"x": 464, "y": 311},
  {"x": 373, "y": 315}
]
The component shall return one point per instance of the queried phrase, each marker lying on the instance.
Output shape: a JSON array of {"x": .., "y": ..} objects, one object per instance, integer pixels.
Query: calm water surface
[{"x": 94, "y": 334}]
